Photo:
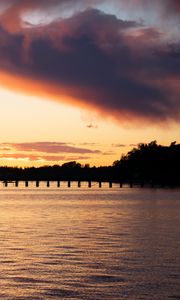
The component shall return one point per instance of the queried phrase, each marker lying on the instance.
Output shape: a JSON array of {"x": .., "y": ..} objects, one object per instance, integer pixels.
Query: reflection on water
[{"x": 89, "y": 244}]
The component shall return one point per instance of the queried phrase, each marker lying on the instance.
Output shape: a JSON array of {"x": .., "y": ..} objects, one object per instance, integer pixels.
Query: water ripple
[{"x": 89, "y": 245}]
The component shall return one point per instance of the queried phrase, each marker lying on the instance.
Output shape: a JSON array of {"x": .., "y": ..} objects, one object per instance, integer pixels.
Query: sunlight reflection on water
[{"x": 89, "y": 243}]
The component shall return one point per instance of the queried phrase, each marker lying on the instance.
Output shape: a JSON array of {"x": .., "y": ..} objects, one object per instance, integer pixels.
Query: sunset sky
[{"x": 87, "y": 80}]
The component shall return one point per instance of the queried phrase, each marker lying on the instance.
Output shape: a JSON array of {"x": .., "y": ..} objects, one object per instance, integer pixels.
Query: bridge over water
[{"x": 69, "y": 184}]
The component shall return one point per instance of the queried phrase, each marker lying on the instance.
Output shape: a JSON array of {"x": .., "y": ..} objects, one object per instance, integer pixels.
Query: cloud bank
[
  {"x": 125, "y": 68},
  {"x": 45, "y": 152}
]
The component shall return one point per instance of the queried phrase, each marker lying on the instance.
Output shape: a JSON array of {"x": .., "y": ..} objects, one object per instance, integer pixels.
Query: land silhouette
[{"x": 146, "y": 164}]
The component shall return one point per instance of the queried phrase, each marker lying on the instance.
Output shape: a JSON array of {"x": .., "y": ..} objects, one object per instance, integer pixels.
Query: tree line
[
  {"x": 151, "y": 163},
  {"x": 145, "y": 164}
]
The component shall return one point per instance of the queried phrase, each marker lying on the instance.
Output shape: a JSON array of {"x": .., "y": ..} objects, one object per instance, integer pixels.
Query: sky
[{"x": 87, "y": 80}]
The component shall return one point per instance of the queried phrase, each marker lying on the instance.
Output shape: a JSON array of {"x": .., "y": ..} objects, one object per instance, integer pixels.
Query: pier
[{"x": 70, "y": 183}]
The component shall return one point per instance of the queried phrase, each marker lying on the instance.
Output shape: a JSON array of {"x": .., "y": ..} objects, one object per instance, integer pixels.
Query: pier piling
[
  {"x": 79, "y": 184},
  {"x": 26, "y": 183},
  {"x": 58, "y": 184},
  {"x": 89, "y": 184},
  {"x": 37, "y": 183}
]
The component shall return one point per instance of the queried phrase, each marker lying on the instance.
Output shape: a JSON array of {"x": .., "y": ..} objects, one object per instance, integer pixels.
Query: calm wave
[{"x": 89, "y": 243}]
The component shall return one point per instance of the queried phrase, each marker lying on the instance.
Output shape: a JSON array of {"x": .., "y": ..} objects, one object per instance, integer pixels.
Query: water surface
[{"x": 89, "y": 243}]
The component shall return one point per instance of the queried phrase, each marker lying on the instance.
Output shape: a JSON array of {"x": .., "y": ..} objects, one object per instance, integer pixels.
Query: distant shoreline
[{"x": 148, "y": 164}]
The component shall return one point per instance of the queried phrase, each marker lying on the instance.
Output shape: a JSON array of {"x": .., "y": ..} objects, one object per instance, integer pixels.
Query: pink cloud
[{"x": 50, "y": 147}]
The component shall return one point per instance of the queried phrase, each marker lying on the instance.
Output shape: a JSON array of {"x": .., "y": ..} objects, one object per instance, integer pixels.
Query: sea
[{"x": 89, "y": 243}]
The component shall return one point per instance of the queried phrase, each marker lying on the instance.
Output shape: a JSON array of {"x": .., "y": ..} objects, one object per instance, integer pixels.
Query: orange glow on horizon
[{"x": 66, "y": 124}]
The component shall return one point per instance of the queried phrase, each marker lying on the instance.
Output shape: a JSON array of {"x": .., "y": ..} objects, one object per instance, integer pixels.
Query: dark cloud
[
  {"x": 17, "y": 14},
  {"x": 109, "y": 153},
  {"x": 170, "y": 6},
  {"x": 118, "y": 145},
  {"x": 174, "y": 5},
  {"x": 105, "y": 63},
  {"x": 92, "y": 126}
]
